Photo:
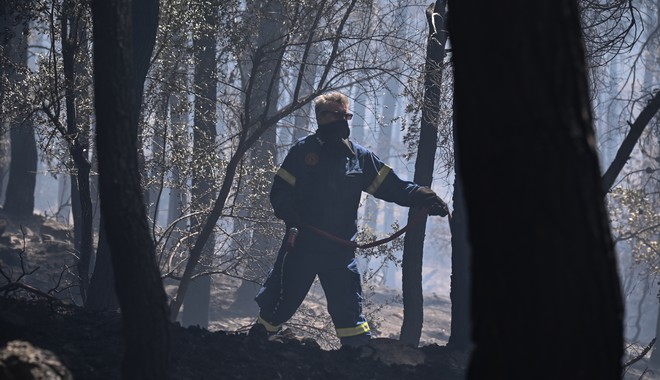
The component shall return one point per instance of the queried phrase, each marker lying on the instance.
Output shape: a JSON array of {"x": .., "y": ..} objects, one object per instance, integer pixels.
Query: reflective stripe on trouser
[
  {"x": 353, "y": 331},
  {"x": 343, "y": 291},
  {"x": 269, "y": 327},
  {"x": 293, "y": 274}
]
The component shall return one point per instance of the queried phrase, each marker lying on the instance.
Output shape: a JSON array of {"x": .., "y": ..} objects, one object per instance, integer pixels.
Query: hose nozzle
[{"x": 291, "y": 240}]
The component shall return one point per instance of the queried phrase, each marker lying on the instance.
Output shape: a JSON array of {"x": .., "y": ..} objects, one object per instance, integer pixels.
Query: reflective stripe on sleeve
[
  {"x": 353, "y": 331},
  {"x": 268, "y": 326},
  {"x": 286, "y": 176},
  {"x": 382, "y": 173}
]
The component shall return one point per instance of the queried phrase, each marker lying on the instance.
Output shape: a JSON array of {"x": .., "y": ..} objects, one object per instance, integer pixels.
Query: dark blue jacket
[{"x": 325, "y": 186}]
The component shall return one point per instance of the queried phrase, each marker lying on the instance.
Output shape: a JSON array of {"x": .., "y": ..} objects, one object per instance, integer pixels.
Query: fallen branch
[
  {"x": 640, "y": 356},
  {"x": 19, "y": 285}
]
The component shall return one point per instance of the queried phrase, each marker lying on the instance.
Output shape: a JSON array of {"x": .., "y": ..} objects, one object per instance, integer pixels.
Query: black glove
[
  {"x": 287, "y": 212},
  {"x": 425, "y": 197}
]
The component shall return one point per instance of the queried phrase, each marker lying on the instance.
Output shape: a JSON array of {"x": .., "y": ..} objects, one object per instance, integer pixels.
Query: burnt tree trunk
[
  {"x": 413, "y": 247},
  {"x": 19, "y": 199},
  {"x": 623, "y": 153},
  {"x": 545, "y": 289},
  {"x": 118, "y": 81},
  {"x": 77, "y": 134},
  {"x": 102, "y": 295},
  {"x": 459, "y": 293}
]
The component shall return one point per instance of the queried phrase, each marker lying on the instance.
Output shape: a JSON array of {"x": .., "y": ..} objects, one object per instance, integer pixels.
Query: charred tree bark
[
  {"x": 543, "y": 265},
  {"x": 19, "y": 199},
  {"x": 102, "y": 295},
  {"x": 459, "y": 293},
  {"x": 77, "y": 135},
  {"x": 118, "y": 80},
  {"x": 626, "y": 148},
  {"x": 413, "y": 246}
]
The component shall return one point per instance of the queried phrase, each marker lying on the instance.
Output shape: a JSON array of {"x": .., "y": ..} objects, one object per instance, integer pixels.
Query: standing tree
[
  {"x": 413, "y": 298},
  {"x": 623, "y": 153},
  {"x": 121, "y": 57},
  {"x": 459, "y": 293},
  {"x": 261, "y": 77},
  {"x": 196, "y": 306},
  {"x": 19, "y": 199},
  {"x": 101, "y": 294},
  {"x": 543, "y": 265},
  {"x": 76, "y": 132}
]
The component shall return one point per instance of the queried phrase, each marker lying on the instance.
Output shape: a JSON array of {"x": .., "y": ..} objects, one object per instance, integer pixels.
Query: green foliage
[
  {"x": 41, "y": 93},
  {"x": 636, "y": 220},
  {"x": 411, "y": 121}
]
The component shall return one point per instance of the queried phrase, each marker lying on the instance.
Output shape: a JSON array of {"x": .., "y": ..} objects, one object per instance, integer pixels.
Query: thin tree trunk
[
  {"x": 157, "y": 170},
  {"x": 413, "y": 246},
  {"x": 636, "y": 129},
  {"x": 302, "y": 117},
  {"x": 177, "y": 199},
  {"x": 78, "y": 136},
  {"x": 545, "y": 289},
  {"x": 655, "y": 354},
  {"x": 196, "y": 306},
  {"x": 263, "y": 87},
  {"x": 5, "y": 23},
  {"x": 207, "y": 230},
  {"x": 5, "y": 158}
]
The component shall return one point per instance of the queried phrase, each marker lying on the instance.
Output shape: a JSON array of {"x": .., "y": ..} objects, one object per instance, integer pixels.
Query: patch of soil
[
  {"x": 38, "y": 254},
  {"x": 91, "y": 346}
]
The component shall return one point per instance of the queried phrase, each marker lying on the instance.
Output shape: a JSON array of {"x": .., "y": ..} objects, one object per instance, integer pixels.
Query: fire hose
[{"x": 293, "y": 233}]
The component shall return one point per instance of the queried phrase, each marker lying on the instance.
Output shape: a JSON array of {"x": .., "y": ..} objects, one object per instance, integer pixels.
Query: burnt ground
[
  {"x": 90, "y": 345},
  {"x": 38, "y": 254}
]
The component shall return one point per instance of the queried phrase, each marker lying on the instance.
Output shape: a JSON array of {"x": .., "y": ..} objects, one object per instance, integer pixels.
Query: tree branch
[
  {"x": 640, "y": 356},
  {"x": 623, "y": 154}
]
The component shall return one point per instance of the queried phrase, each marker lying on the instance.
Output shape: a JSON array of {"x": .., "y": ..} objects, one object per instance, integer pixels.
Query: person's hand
[{"x": 427, "y": 198}]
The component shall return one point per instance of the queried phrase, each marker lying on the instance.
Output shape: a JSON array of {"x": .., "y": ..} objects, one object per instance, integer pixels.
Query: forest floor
[
  {"x": 90, "y": 345},
  {"x": 38, "y": 254}
]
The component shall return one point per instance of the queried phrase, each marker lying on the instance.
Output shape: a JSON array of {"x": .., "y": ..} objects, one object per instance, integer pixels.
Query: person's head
[{"x": 331, "y": 107}]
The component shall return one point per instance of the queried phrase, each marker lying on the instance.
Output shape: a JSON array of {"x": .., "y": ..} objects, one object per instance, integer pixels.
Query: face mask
[
  {"x": 336, "y": 134},
  {"x": 334, "y": 131}
]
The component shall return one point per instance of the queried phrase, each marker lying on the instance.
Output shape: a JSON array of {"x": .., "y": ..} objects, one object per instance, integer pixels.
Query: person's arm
[
  {"x": 282, "y": 191},
  {"x": 383, "y": 183}
]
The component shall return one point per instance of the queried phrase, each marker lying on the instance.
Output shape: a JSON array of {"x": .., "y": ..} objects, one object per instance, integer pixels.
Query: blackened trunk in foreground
[
  {"x": 546, "y": 301},
  {"x": 139, "y": 289}
]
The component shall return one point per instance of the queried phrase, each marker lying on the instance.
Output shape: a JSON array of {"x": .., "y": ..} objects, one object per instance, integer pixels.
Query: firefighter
[{"x": 319, "y": 184}]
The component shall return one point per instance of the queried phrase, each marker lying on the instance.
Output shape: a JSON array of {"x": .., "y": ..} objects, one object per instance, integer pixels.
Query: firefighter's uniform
[{"x": 325, "y": 187}]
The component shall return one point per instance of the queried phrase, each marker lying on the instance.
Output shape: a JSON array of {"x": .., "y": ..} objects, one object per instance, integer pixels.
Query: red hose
[{"x": 351, "y": 244}]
